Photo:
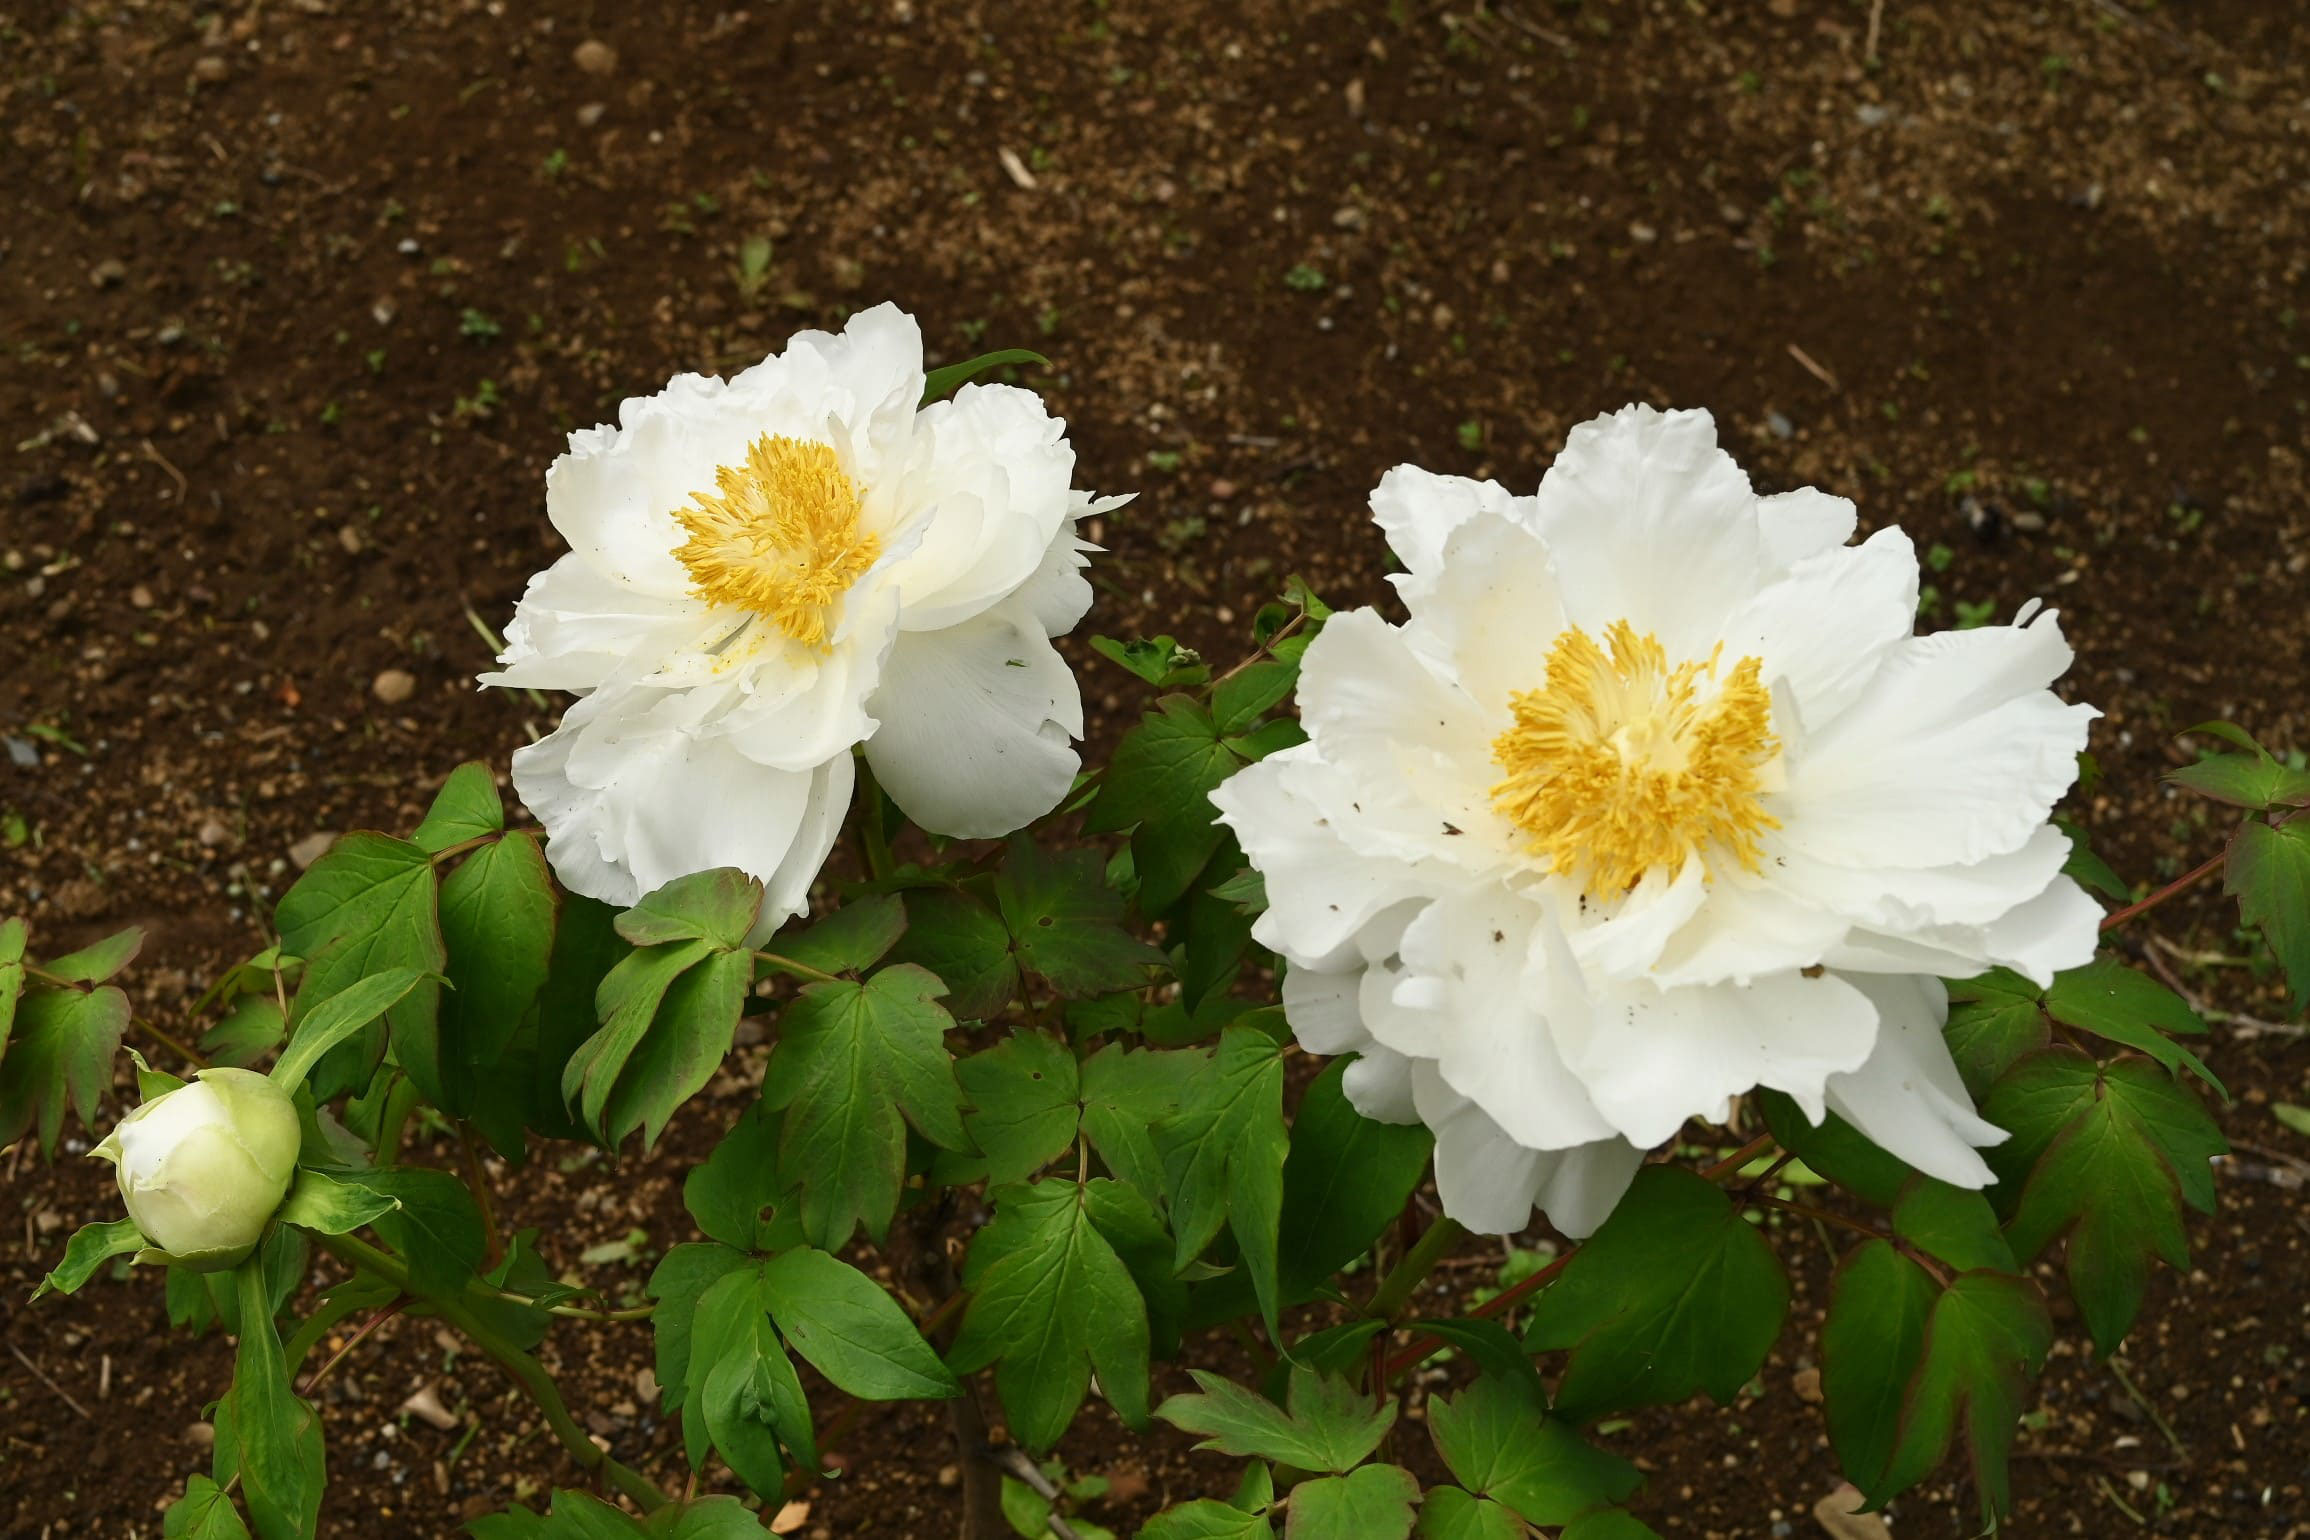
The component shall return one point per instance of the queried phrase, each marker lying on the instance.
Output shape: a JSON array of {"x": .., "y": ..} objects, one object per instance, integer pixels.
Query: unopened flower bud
[{"x": 202, "y": 1168}]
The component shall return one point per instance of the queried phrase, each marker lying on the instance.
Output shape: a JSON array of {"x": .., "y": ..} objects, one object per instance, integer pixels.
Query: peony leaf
[
  {"x": 2119, "y": 1005},
  {"x": 1344, "y": 1182},
  {"x": 1127, "y": 1092},
  {"x": 1159, "y": 660},
  {"x": 12, "y": 939},
  {"x": 586, "y": 950},
  {"x": 253, "y": 1028},
  {"x": 717, "y": 906},
  {"x": 91, "y": 1247},
  {"x": 741, "y": 1394},
  {"x": 574, "y": 1516},
  {"x": 1223, "y": 1153},
  {"x": 1954, "y": 1224},
  {"x": 2254, "y": 781},
  {"x": 1331, "y": 1426},
  {"x": 856, "y": 1064},
  {"x": 341, "y": 1015},
  {"x": 274, "y": 1442},
  {"x": 849, "y": 1330},
  {"x": 1448, "y": 1513},
  {"x": 203, "y": 1513},
  {"x": 98, "y": 963},
  {"x": 677, "y": 1283},
  {"x": 368, "y": 906},
  {"x": 1994, "y": 1021},
  {"x": 1371, "y": 1502},
  {"x": 850, "y": 940},
  {"x": 964, "y": 943},
  {"x": 2106, "y": 1154},
  {"x": 433, "y": 1223},
  {"x": 942, "y": 382},
  {"x": 1050, "y": 1303},
  {"x": 608, "y": 1080},
  {"x": 466, "y": 808},
  {"x": 1066, "y": 923},
  {"x": 497, "y": 920},
  {"x": 1238, "y": 701},
  {"x": 2269, "y": 874},
  {"x": 1159, "y": 785},
  {"x": 59, "y": 1055},
  {"x": 1501, "y": 1442},
  {"x": 1675, "y": 1293},
  {"x": 1609, "y": 1524},
  {"x": 1905, "y": 1362},
  {"x": 1204, "y": 1519},
  {"x": 729, "y": 1191},
  {"x": 1024, "y": 1110},
  {"x": 1835, "y": 1150}
]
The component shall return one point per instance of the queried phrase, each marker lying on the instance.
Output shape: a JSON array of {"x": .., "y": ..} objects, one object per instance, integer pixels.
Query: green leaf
[
  {"x": 1372, "y": 1502},
  {"x": 575, "y": 1516},
  {"x": 1159, "y": 784},
  {"x": 1834, "y": 1149},
  {"x": 1238, "y": 701},
  {"x": 59, "y": 1054},
  {"x": 1610, "y": 1524},
  {"x": 1674, "y": 1293},
  {"x": 688, "y": 1039},
  {"x": 1495, "y": 1350},
  {"x": 497, "y": 919},
  {"x": 1159, "y": 660},
  {"x": 1346, "y": 1179},
  {"x": 965, "y": 944},
  {"x": 1331, "y": 1426},
  {"x": 99, "y": 963},
  {"x": 1050, "y": 1302},
  {"x": 2088, "y": 869},
  {"x": 318, "y": 1201},
  {"x": 679, "y": 1281},
  {"x": 11, "y": 977},
  {"x": 2114, "y": 1002},
  {"x": 276, "y": 1438},
  {"x": 253, "y": 1028},
  {"x": 339, "y": 1017},
  {"x": 1204, "y": 1519},
  {"x": 855, "y": 1065},
  {"x": 748, "y": 1400},
  {"x": 203, "y": 1513},
  {"x": 704, "y": 1518},
  {"x": 850, "y": 940},
  {"x": 434, "y": 1225},
  {"x": 1879, "y": 1302},
  {"x": 717, "y": 906},
  {"x": 2107, "y": 1154},
  {"x": 1451, "y": 1514},
  {"x": 466, "y": 808},
  {"x": 1023, "y": 1099},
  {"x": 2245, "y": 780},
  {"x": 1500, "y": 1442},
  {"x": 850, "y": 1330},
  {"x": 1223, "y": 1153},
  {"x": 1995, "y": 1021},
  {"x": 2269, "y": 874},
  {"x": 368, "y": 906},
  {"x": 1952, "y": 1224},
  {"x": 1066, "y": 923},
  {"x": 1126, "y": 1093},
  {"x": 90, "y": 1248},
  {"x": 942, "y": 382},
  {"x": 1127, "y": 1218},
  {"x": 728, "y": 1191},
  {"x": 1981, "y": 1345}
]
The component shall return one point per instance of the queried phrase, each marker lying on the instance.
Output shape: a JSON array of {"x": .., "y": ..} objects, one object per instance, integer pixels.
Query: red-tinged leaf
[{"x": 2269, "y": 874}]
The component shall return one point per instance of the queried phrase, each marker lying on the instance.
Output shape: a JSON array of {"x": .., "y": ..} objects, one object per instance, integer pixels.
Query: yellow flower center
[
  {"x": 1621, "y": 764},
  {"x": 778, "y": 536}
]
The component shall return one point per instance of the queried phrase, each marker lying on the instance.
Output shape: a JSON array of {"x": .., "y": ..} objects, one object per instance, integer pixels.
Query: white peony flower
[
  {"x": 768, "y": 570},
  {"x": 202, "y": 1168},
  {"x": 1654, "y": 800}
]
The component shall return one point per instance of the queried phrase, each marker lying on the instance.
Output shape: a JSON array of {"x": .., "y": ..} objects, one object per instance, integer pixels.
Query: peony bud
[{"x": 202, "y": 1168}]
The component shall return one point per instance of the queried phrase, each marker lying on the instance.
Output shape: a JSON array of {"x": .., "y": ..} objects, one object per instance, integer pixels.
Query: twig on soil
[
  {"x": 1010, "y": 1459},
  {"x": 2133, "y": 1391},
  {"x": 183, "y": 486},
  {"x": 1876, "y": 25},
  {"x": 1813, "y": 367},
  {"x": 42, "y": 1375}
]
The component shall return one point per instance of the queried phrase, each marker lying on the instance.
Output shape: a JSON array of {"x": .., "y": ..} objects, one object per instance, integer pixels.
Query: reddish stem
[
  {"x": 2207, "y": 868},
  {"x": 1738, "y": 1158}
]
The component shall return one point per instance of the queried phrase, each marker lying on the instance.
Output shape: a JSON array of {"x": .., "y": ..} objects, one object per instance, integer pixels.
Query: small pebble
[
  {"x": 311, "y": 848},
  {"x": 1779, "y": 426},
  {"x": 211, "y": 69},
  {"x": 23, "y": 753},
  {"x": 350, "y": 538},
  {"x": 591, "y": 113},
  {"x": 213, "y": 833},
  {"x": 108, "y": 272},
  {"x": 394, "y": 686},
  {"x": 140, "y": 597},
  {"x": 595, "y": 57}
]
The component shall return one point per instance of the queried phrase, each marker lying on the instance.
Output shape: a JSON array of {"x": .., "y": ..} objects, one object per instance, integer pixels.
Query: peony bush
[{"x": 1644, "y": 874}]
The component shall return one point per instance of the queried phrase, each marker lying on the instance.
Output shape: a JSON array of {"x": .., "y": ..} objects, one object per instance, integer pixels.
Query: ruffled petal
[
  {"x": 1379, "y": 1085},
  {"x": 1487, "y": 615},
  {"x": 576, "y": 629},
  {"x": 1058, "y": 595},
  {"x": 1649, "y": 522},
  {"x": 1908, "y": 1097},
  {"x": 1825, "y": 627},
  {"x": 1490, "y": 1183},
  {"x": 1320, "y": 892},
  {"x": 977, "y": 725},
  {"x": 1803, "y": 523},
  {"x": 1419, "y": 511}
]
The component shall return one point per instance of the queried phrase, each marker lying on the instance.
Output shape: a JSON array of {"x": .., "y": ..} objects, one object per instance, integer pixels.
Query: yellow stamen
[
  {"x": 779, "y": 536},
  {"x": 1620, "y": 765}
]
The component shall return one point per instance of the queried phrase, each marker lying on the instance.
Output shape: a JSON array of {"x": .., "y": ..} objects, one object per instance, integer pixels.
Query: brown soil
[{"x": 299, "y": 297}]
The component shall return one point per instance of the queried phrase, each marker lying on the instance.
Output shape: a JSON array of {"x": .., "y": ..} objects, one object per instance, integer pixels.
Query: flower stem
[
  {"x": 1388, "y": 1300},
  {"x": 798, "y": 969},
  {"x": 1507, "y": 1299},
  {"x": 2206, "y": 868},
  {"x": 477, "y": 1178},
  {"x": 525, "y": 1371},
  {"x": 1738, "y": 1159}
]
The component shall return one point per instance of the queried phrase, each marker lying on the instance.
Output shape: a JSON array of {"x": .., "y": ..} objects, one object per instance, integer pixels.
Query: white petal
[
  {"x": 1649, "y": 522},
  {"x": 1586, "y": 1185},
  {"x": 1058, "y": 595},
  {"x": 1320, "y": 892},
  {"x": 977, "y": 720},
  {"x": 577, "y": 628},
  {"x": 1489, "y": 613},
  {"x": 1321, "y": 1008},
  {"x": 1379, "y": 1085},
  {"x": 1652, "y": 1058},
  {"x": 1419, "y": 510},
  {"x": 786, "y": 892},
  {"x": 1824, "y": 628},
  {"x": 1803, "y": 523},
  {"x": 1956, "y": 752},
  {"x": 2057, "y": 930},
  {"x": 1751, "y": 925},
  {"x": 1905, "y": 898},
  {"x": 1626, "y": 939},
  {"x": 1462, "y": 1000},
  {"x": 1908, "y": 1098},
  {"x": 629, "y": 803},
  {"x": 989, "y": 491},
  {"x": 1490, "y": 1183},
  {"x": 806, "y": 707}
]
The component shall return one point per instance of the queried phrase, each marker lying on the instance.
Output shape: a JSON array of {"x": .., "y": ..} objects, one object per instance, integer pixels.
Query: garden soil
[{"x": 299, "y": 297}]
